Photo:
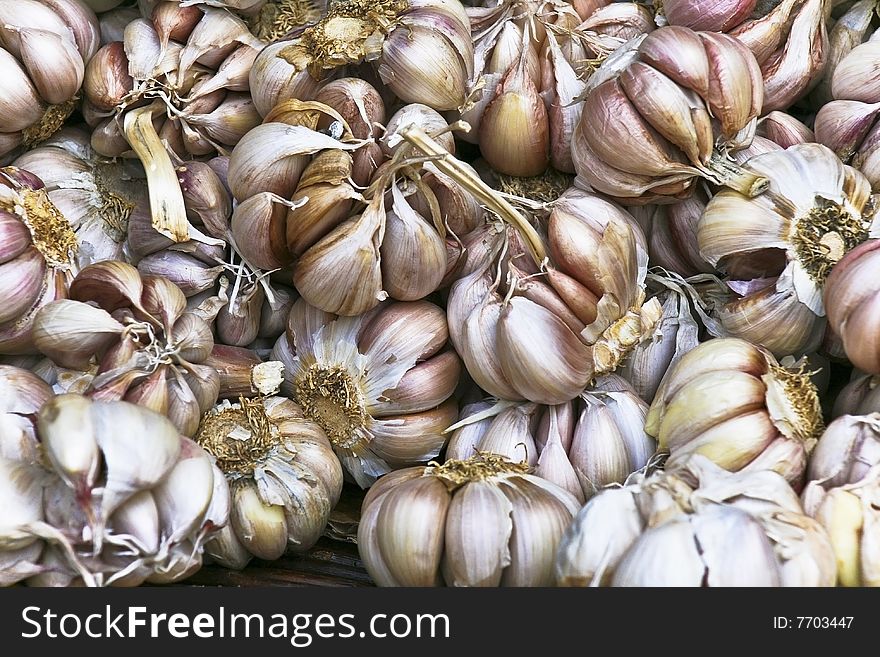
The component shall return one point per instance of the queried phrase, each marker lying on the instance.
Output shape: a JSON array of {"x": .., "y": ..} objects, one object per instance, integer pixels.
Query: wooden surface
[{"x": 331, "y": 562}]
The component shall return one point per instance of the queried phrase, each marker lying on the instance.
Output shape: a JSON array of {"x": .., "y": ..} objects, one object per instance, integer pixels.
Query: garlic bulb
[
  {"x": 282, "y": 473},
  {"x": 784, "y": 243},
  {"x": 112, "y": 507},
  {"x": 846, "y": 451},
  {"x": 483, "y": 521},
  {"x": 848, "y": 511},
  {"x": 581, "y": 446},
  {"x": 46, "y": 46},
  {"x": 700, "y": 526},
  {"x": 849, "y": 305},
  {"x": 733, "y": 403},
  {"x": 38, "y": 251},
  {"x": 379, "y": 385},
  {"x": 421, "y": 49},
  {"x": 148, "y": 348},
  {"x": 646, "y": 129},
  {"x": 96, "y": 196},
  {"x": 178, "y": 80},
  {"x": 586, "y": 302}
]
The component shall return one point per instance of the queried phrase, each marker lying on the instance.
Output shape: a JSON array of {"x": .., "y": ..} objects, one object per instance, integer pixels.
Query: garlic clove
[
  {"x": 21, "y": 492},
  {"x": 188, "y": 273},
  {"x": 183, "y": 406},
  {"x": 842, "y": 125},
  {"x": 20, "y": 102},
  {"x": 514, "y": 129},
  {"x": 598, "y": 537},
  {"x": 414, "y": 438},
  {"x": 410, "y": 531},
  {"x": 540, "y": 517},
  {"x": 184, "y": 494},
  {"x": 679, "y": 53},
  {"x": 481, "y": 353},
  {"x": 841, "y": 514},
  {"x": 53, "y": 63},
  {"x": 732, "y": 443},
  {"x": 341, "y": 273},
  {"x": 132, "y": 464},
  {"x": 139, "y": 518},
  {"x": 74, "y": 452},
  {"x": 548, "y": 371},
  {"x": 663, "y": 104},
  {"x": 745, "y": 393},
  {"x": 150, "y": 392},
  {"x": 413, "y": 253},
  {"x": 261, "y": 527},
  {"x": 258, "y": 227},
  {"x": 112, "y": 284},
  {"x": 22, "y": 280},
  {"x": 555, "y": 466},
  {"x": 509, "y": 435},
  {"x": 238, "y": 323},
  {"x": 368, "y": 533},
  {"x": 163, "y": 299},
  {"x": 753, "y": 563},
  {"x": 665, "y": 555},
  {"x": 477, "y": 533},
  {"x": 598, "y": 451},
  {"x": 15, "y": 238},
  {"x": 423, "y": 387},
  {"x": 70, "y": 332},
  {"x": 192, "y": 337}
]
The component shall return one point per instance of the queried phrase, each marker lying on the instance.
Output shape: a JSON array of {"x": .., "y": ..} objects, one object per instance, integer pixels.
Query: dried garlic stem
[
  {"x": 166, "y": 198},
  {"x": 453, "y": 168},
  {"x": 729, "y": 174}
]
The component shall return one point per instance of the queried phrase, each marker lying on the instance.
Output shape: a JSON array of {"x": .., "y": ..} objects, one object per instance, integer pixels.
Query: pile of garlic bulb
[{"x": 506, "y": 292}]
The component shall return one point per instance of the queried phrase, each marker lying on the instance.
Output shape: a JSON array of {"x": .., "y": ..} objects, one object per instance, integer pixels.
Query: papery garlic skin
[
  {"x": 733, "y": 403},
  {"x": 750, "y": 529},
  {"x": 283, "y": 474},
  {"x": 815, "y": 211},
  {"x": 483, "y": 521},
  {"x": 360, "y": 379}
]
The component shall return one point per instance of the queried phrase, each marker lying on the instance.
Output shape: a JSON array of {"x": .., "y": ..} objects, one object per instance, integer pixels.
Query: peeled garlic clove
[
  {"x": 549, "y": 371},
  {"x": 70, "y": 332}
]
